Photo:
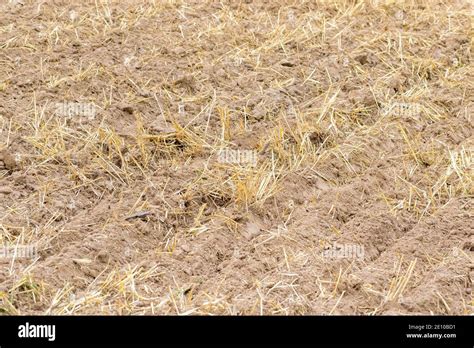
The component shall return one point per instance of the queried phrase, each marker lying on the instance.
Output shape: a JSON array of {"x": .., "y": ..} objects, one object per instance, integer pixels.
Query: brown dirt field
[{"x": 358, "y": 115}]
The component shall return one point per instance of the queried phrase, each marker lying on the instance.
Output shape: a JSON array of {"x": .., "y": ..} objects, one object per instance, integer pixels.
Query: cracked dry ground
[{"x": 304, "y": 85}]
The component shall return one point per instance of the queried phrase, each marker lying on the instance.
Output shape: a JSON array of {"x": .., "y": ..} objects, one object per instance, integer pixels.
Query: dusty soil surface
[{"x": 357, "y": 116}]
